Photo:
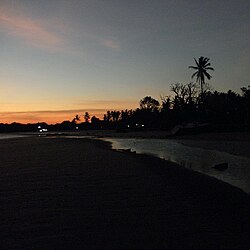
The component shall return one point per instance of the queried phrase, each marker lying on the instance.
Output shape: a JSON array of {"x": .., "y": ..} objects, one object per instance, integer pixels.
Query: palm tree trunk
[{"x": 201, "y": 83}]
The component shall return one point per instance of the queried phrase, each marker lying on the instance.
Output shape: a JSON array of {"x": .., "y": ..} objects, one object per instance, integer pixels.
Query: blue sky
[{"x": 67, "y": 56}]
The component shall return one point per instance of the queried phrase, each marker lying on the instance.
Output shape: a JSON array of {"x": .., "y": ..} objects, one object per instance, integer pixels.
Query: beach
[{"x": 69, "y": 193}]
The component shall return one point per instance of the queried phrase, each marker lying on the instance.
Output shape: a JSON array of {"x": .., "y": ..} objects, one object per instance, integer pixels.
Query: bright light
[{"x": 43, "y": 130}]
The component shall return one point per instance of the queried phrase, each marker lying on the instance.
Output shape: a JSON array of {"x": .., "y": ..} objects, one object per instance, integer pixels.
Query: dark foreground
[{"x": 58, "y": 193}]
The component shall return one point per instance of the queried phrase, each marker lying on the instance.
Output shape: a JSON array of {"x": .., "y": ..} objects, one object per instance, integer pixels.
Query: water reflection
[
  {"x": 11, "y": 136},
  {"x": 197, "y": 159}
]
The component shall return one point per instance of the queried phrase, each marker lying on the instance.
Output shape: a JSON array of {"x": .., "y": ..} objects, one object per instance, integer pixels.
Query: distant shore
[
  {"x": 77, "y": 193},
  {"x": 157, "y": 134}
]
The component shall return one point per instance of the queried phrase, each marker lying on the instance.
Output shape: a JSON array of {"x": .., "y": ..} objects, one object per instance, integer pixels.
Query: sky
[{"x": 59, "y": 58}]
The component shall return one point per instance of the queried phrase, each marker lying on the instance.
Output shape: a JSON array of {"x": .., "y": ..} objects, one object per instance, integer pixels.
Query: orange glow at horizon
[
  {"x": 58, "y": 116},
  {"x": 50, "y": 117},
  {"x": 57, "y": 112}
]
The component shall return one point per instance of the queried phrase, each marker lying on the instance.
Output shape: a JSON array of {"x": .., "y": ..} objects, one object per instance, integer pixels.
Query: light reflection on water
[
  {"x": 197, "y": 159},
  {"x": 11, "y": 136}
]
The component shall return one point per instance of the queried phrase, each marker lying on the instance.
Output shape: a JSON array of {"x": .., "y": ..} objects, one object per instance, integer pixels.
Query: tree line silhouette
[{"x": 191, "y": 103}]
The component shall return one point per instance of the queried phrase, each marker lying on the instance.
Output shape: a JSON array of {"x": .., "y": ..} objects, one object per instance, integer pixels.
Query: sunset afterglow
[{"x": 60, "y": 58}]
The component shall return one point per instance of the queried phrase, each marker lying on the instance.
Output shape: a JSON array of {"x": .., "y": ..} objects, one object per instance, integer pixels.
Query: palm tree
[
  {"x": 76, "y": 119},
  {"x": 86, "y": 117},
  {"x": 202, "y": 66}
]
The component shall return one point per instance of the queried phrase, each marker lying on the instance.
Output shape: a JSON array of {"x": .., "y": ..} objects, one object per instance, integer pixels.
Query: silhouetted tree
[
  {"x": 202, "y": 66},
  {"x": 180, "y": 91},
  {"x": 76, "y": 119},
  {"x": 125, "y": 116},
  {"x": 86, "y": 117},
  {"x": 108, "y": 116},
  {"x": 192, "y": 93},
  {"x": 95, "y": 122},
  {"x": 165, "y": 116},
  {"x": 67, "y": 125},
  {"x": 246, "y": 103},
  {"x": 166, "y": 103},
  {"x": 185, "y": 95},
  {"x": 149, "y": 103},
  {"x": 107, "y": 119},
  {"x": 115, "y": 115}
]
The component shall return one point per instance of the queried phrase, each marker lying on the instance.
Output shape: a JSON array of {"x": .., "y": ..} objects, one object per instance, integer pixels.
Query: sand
[{"x": 59, "y": 193}]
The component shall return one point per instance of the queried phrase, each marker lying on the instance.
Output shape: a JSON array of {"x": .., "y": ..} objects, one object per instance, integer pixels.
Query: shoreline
[
  {"x": 59, "y": 193},
  {"x": 235, "y": 143}
]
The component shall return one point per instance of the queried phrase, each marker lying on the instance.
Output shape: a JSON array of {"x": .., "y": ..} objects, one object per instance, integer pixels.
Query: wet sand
[{"x": 59, "y": 193}]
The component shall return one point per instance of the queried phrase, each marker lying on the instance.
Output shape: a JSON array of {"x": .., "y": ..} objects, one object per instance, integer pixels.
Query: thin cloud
[
  {"x": 109, "y": 43},
  {"x": 31, "y": 31},
  {"x": 49, "y": 34}
]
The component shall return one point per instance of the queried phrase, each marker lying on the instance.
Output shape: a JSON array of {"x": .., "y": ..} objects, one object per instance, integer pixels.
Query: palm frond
[
  {"x": 194, "y": 74},
  {"x": 209, "y": 68},
  {"x": 196, "y": 62},
  {"x": 202, "y": 60},
  {"x": 207, "y": 75},
  {"x": 193, "y": 67}
]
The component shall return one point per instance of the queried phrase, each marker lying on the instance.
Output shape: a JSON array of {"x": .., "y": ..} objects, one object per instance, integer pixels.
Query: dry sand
[{"x": 59, "y": 193}]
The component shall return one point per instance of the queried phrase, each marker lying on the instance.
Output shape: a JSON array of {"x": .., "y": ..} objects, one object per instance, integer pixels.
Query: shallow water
[{"x": 197, "y": 159}]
